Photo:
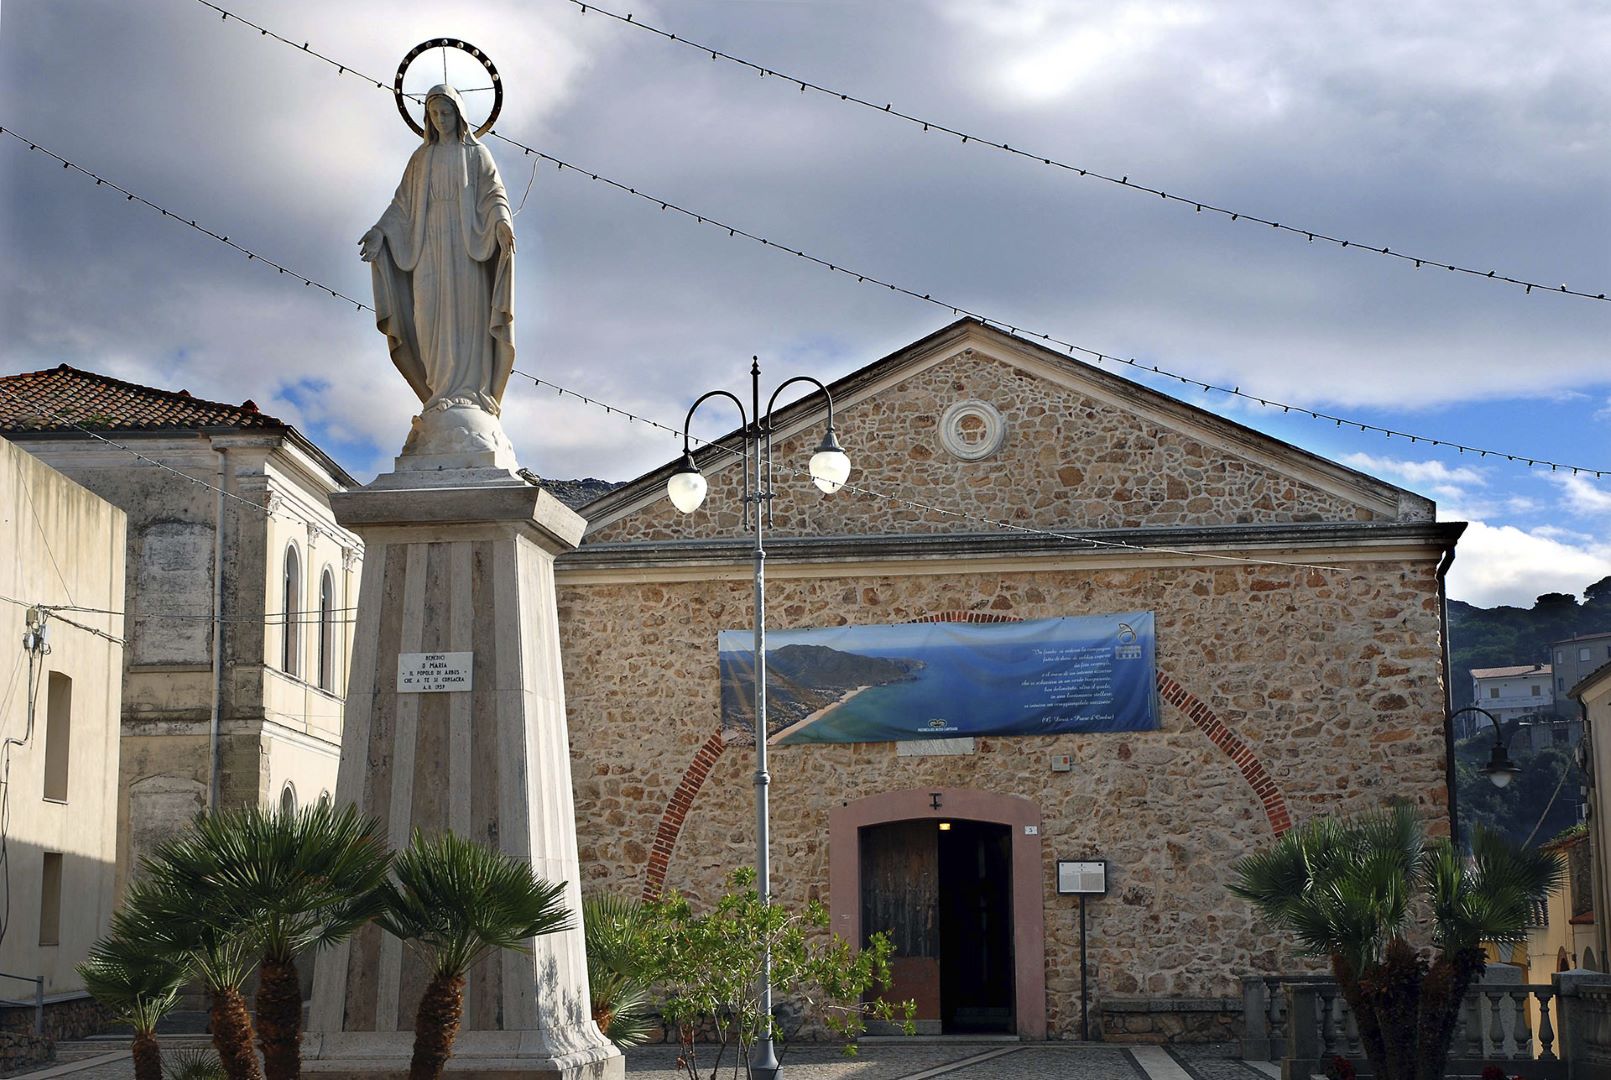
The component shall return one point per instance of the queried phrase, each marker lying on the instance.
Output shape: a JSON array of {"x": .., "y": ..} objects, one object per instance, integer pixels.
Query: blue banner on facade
[{"x": 1085, "y": 673}]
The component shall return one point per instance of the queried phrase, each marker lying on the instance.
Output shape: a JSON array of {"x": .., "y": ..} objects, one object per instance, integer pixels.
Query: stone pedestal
[{"x": 461, "y": 561}]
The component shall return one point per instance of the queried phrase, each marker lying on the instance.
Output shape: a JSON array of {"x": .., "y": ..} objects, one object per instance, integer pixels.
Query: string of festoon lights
[
  {"x": 1097, "y": 355},
  {"x": 608, "y": 408},
  {"x": 916, "y": 504},
  {"x": 1530, "y": 460},
  {"x": 1123, "y": 181}
]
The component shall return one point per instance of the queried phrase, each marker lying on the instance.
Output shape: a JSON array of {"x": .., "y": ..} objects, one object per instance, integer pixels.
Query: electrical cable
[
  {"x": 130, "y": 196},
  {"x": 887, "y": 109},
  {"x": 1097, "y": 355},
  {"x": 928, "y": 507},
  {"x": 1071, "y": 348},
  {"x": 1566, "y": 770},
  {"x": 34, "y": 644},
  {"x": 309, "y": 618},
  {"x": 1530, "y": 460},
  {"x": 5, "y": 789},
  {"x": 1122, "y": 181},
  {"x": 60, "y": 418}
]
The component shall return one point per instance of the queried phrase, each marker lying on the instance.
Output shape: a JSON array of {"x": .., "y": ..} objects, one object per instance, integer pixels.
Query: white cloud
[
  {"x": 1431, "y": 472},
  {"x": 1507, "y": 565},
  {"x": 1583, "y": 496},
  {"x": 1425, "y": 477}
]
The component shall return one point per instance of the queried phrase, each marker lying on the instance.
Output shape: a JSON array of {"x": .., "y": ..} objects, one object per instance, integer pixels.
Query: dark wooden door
[
  {"x": 900, "y": 888},
  {"x": 976, "y": 957}
]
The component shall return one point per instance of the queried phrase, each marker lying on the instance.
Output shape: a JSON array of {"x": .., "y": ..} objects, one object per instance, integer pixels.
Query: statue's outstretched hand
[
  {"x": 369, "y": 244},
  {"x": 506, "y": 237}
]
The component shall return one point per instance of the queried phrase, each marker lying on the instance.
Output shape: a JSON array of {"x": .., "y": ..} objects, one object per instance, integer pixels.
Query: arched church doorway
[
  {"x": 942, "y": 890},
  {"x": 954, "y": 876}
]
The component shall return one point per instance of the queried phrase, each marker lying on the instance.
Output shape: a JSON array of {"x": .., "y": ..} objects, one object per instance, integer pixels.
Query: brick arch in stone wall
[{"x": 1201, "y": 716}]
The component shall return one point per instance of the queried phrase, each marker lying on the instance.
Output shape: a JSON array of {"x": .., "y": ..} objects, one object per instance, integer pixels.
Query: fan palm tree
[
  {"x": 621, "y": 963},
  {"x": 1348, "y": 890},
  {"x": 300, "y": 880},
  {"x": 138, "y": 988},
  {"x": 453, "y": 901},
  {"x": 194, "y": 1065},
  {"x": 176, "y": 911}
]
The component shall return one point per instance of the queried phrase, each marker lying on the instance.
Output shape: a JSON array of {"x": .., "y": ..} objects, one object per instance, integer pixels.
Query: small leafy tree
[
  {"x": 454, "y": 901},
  {"x": 1349, "y": 891},
  {"x": 710, "y": 969},
  {"x": 621, "y": 964},
  {"x": 139, "y": 988}
]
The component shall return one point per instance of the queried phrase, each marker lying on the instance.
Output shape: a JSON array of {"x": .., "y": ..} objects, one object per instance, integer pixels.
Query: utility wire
[
  {"x": 1122, "y": 181},
  {"x": 307, "y": 617},
  {"x": 196, "y": 480},
  {"x": 960, "y": 515},
  {"x": 1531, "y": 460},
  {"x": 341, "y": 69},
  {"x": 959, "y": 309},
  {"x": 956, "y": 309},
  {"x": 1090, "y": 541},
  {"x": 54, "y": 612},
  {"x": 130, "y": 196}
]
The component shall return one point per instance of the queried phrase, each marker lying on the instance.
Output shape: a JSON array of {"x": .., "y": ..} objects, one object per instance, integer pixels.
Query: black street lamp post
[{"x": 829, "y": 469}]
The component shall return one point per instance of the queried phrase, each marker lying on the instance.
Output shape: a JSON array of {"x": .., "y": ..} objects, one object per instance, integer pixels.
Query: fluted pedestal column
[{"x": 459, "y": 580}]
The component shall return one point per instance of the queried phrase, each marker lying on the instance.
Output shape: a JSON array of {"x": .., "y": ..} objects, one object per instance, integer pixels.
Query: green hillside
[
  {"x": 1501, "y": 636},
  {"x": 1544, "y": 797}
]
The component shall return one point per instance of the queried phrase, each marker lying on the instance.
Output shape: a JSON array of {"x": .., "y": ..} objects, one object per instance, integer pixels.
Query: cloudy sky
[{"x": 1471, "y": 134}]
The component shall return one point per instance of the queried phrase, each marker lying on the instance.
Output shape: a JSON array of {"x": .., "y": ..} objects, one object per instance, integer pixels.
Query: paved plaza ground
[{"x": 910, "y": 1059}]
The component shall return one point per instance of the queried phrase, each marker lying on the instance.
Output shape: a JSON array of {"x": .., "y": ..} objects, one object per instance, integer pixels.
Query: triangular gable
[{"x": 1080, "y": 449}]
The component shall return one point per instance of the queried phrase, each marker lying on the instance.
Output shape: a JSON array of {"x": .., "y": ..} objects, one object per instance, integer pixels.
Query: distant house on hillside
[
  {"x": 1509, "y": 693},
  {"x": 239, "y": 586},
  {"x": 1575, "y": 660}
]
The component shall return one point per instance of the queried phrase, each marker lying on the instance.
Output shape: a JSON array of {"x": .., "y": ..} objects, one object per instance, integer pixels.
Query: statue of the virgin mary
[{"x": 442, "y": 257}]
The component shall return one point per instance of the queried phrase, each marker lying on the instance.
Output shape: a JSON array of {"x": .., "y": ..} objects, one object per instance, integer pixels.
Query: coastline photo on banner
[{"x": 1078, "y": 673}]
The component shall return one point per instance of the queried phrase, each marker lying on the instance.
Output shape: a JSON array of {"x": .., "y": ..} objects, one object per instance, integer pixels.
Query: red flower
[{"x": 1340, "y": 1068}]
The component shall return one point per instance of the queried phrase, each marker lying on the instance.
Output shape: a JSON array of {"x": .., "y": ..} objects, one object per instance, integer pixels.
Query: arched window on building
[
  {"x": 1588, "y": 960},
  {"x": 327, "y": 630},
  {"x": 290, "y": 613},
  {"x": 288, "y": 798}
]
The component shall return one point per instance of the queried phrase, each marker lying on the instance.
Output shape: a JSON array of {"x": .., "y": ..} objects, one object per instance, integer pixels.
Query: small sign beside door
[
  {"x": 434, "y": 673},
  {"x": 1082, "y": 877}
]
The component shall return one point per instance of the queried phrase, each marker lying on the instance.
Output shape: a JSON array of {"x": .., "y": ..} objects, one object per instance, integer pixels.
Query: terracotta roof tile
[
  {"x": 1510, "y": 672},
  {"x": 61, "y": 397}
]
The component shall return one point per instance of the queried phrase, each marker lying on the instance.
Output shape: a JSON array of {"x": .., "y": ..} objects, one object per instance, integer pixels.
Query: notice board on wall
[{"x": 1079, "y": 673}]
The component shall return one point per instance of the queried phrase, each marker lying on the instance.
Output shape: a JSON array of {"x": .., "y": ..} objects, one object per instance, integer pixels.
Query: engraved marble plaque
[{"x": 433, "y": 672}]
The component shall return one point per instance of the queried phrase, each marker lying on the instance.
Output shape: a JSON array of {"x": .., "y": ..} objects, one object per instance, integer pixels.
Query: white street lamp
[
  {"x": 829, "y": 469},
  {"x": 1500, "y": 770}
]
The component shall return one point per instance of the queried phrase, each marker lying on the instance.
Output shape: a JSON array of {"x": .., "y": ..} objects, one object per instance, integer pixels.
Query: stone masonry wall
[
  {"x": 1068, "y": 462},
  {"x": 1330, "y": 679}
]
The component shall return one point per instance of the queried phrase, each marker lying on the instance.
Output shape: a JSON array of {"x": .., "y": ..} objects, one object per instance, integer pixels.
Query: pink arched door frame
[{"x": 1028, "y": 911}]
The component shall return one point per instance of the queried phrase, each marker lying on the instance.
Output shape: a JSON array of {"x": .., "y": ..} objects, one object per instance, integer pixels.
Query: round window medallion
[{"x": 971, "y": 430}]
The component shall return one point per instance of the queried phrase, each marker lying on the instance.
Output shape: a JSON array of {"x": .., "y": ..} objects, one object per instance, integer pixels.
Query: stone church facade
[{"x": 1299, "y": 668}]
